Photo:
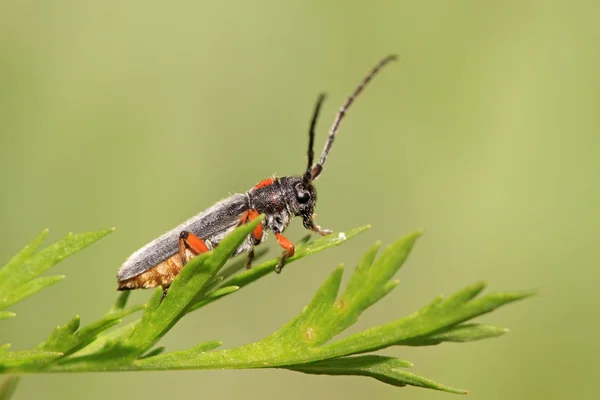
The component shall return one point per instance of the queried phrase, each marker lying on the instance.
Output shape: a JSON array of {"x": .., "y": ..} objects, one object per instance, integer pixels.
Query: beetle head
[{"x": 301, "y": 198}]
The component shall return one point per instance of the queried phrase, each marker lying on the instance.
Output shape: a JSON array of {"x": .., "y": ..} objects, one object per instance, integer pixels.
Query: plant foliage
[{"x": 305, "y": 344}]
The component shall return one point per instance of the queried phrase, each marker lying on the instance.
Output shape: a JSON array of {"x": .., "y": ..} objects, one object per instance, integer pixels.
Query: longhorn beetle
[{"x": 280, "y": 199}]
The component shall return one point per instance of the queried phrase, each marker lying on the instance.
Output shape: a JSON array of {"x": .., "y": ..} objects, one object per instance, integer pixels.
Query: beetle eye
[{"x": 302, "y": 196}]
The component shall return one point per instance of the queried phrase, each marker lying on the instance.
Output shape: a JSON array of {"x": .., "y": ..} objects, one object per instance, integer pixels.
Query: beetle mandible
[{"x": 280, "y": 199}]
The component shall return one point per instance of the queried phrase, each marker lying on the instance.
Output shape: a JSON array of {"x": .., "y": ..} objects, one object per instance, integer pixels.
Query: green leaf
[
  {"x": 320, "y": 244},
  {"x": 304, "y": 339},
  {"x": 457, "y": 334},
  {"x": 69, "y": 338},
  {"x": 306, "y": 344},
  {"x": 221, "y": 292},
  {"x": 17, "y": 278},
  {"x": 106, "y": 341},
  {"x": 154, "y": 352},
  {"x": 429, "y": 320},
  {"x": 234, "y": 266},
  {"x": 369, "y": 283},
  {"x": 121, "y": 302},
  {"x": 26, "y": 360},
  {"x": 384, "y": 369},
  {"x": 31, "y": 288},
  {"x": 12, "y": 268}
]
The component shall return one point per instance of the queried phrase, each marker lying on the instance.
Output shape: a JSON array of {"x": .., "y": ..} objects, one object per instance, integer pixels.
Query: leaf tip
[
  {"x": 533, "y": 292},
  {"x": 7, "y": 314}
]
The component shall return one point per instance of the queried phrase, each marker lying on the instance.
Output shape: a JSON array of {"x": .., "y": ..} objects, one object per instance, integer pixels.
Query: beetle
[{"x": 279, "y": 199}]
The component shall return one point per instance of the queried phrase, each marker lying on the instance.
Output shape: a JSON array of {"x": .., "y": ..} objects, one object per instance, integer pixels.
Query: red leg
[
  {"x": 248, "y": 216},
  {"x": 189, "y": 240},
  {"x": 288, "y": 252},
  {"x": 257, "y": 232}
]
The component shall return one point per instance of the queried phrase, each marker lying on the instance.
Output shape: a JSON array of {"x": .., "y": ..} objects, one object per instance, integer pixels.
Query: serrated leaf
[
  {"x": 69, "y": 338},
  {"x": 301, "y": 345},
  {"x": 13, "y": 265},
  {"x": 301, "y": 341},
  {"x": 17, "y": 279},
  {"x": 384, "y": 369},
  {"x": 368, "y": 284},
  {"x": 432, "y": 318},
  {"x": 106, "y": 340}
]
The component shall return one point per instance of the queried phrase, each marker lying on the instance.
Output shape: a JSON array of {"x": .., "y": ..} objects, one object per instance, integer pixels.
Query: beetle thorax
[{"x": 285, "y": 198}]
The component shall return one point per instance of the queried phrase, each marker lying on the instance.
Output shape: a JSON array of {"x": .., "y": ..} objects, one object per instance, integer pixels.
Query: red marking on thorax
[{"x": 264, "y": 182}]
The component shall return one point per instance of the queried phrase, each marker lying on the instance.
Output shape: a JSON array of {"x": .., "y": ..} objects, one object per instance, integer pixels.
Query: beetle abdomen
[{"x": 159, "y": 275}]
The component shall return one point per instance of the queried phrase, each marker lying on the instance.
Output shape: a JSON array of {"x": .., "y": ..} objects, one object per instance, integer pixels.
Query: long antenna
[
  {"x": 311, "y": 137},
  {"x": 316, "y": 170}
]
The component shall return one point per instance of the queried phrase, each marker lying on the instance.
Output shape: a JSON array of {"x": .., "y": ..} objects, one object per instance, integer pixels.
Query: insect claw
[
  {"x": 320, "y": 231},
  {"x": 279, "y": 266}
]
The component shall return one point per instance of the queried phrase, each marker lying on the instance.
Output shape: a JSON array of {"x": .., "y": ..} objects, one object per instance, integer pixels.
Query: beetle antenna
[
  {"x": 316, "y": 170},
  {"x": 311, "y": 138}
]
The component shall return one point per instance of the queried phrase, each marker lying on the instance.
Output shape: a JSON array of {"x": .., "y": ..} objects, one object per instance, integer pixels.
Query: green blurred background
[{"x": 139, "y": 115}]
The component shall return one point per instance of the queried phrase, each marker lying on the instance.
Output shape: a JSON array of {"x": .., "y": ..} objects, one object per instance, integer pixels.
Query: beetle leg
[
  {"x": 188, "y": 240},
  {"x": 256, "y": 234},
  {"x": 250, "y": 258},
  {"x": 288, "y": 251}
]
